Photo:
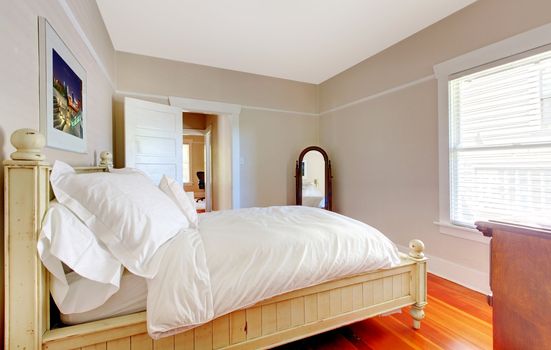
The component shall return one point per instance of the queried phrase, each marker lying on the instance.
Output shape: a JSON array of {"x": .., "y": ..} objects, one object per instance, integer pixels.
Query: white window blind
[{"x": 500, "y": 143}]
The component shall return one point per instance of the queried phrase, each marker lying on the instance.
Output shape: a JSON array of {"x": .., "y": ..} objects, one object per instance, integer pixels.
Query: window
[
  {"x": 186, "y": 163},
  {"x": 500, "y": 143}
]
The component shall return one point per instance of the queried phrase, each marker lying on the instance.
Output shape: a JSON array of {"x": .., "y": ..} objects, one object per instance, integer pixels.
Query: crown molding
[{"x": 72, "y": 18}]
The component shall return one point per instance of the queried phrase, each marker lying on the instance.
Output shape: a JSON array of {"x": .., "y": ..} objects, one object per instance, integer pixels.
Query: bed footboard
[{"x": 273, "y": 322}]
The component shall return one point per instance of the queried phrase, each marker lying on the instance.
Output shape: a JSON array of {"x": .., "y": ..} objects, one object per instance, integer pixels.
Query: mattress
[{"x": 130, "y": 298}]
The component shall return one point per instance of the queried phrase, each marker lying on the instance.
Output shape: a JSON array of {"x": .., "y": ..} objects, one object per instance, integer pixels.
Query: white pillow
[
  {"x": 126, "y": 211},
  {"x": 96, "y": 273},
  {"x": 175, "y": 191}
]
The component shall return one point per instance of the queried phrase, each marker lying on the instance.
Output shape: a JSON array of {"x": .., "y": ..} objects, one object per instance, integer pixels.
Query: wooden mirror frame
[{"x": 298, "y": 177}]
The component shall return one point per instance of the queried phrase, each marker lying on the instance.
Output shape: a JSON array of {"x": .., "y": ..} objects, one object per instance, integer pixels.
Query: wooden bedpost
[
  {"x": 26, "y": 197},
  {"x": 416, "y": 253},
  {"x": 106, "y": 159}
]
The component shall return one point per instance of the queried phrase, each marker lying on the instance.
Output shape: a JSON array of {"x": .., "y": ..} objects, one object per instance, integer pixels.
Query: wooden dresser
[{"x": 520, "y": 279}]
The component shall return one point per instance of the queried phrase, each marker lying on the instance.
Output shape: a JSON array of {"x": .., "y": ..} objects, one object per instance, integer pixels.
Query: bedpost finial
[
  {"x": 106, "y": 159},
  {"x": 416, "y": 248},
  {"x": 29, "y": 144}
]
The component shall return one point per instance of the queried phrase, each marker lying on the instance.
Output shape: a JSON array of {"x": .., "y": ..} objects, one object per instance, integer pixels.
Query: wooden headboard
[{"x": 27, "y": 196}]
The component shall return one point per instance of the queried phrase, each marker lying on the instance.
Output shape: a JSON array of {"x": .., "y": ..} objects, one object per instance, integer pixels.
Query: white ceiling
[{"x": 303, "y": 40}]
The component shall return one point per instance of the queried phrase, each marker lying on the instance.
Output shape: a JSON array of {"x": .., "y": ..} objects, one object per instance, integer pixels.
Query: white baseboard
[{"x": 465, "y": 276}]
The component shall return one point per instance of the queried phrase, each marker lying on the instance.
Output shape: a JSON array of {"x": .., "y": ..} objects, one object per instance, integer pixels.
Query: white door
[{"x": 153, "y": 138}]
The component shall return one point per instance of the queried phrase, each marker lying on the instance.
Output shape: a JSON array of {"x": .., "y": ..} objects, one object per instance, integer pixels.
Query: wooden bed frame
[{"x": 272, "y": 322}]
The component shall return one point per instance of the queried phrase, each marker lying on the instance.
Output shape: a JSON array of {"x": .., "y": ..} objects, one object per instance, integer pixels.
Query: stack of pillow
[{"x": 101, "y": 222}]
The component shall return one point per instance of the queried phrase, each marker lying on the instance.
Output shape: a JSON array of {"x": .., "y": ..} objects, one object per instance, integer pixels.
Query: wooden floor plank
[
  {"x": 436, "y": 333},
  {"x": 459, "y": 297},
  {"x": 376, "y": 336},
  {"x": 457, "y": 318}
]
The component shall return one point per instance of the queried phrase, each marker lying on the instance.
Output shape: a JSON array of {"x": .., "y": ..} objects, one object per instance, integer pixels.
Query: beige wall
[
  {"x": 221, "y": 161},
  {"x": 221, "y": 145},
  {"x": 478, "y": 25},
  {"x": 163, "y": 77},
  {"x": 270, "y": 145},
  {"x": 269, "y": 140},
  {"x": 19, "y": 105},
  {"x": 384, "y": 150}
]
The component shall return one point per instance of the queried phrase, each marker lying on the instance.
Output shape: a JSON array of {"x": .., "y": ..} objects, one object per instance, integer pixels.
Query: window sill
[{"x": 470, "y": 234}]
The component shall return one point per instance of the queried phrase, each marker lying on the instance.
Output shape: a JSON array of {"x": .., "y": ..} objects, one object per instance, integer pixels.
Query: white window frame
[{"x": 512, "y": 46}]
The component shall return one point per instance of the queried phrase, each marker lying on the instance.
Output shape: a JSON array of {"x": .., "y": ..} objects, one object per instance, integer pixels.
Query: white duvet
[{"x": 238, "y": 258}]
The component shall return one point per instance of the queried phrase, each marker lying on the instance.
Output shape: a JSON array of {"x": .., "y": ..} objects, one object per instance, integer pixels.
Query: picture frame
[{"x": 63, "y": 91}]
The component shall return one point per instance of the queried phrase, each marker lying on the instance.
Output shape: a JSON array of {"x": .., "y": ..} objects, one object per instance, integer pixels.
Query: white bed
[
  {"x": 312, "y": 196},
  {"x": 328, "y": 302},
  {"x": 254, "y": 254}
]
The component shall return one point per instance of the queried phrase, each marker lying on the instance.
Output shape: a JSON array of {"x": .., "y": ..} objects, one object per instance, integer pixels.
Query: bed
[
  {"x": 312, "y": 196},
  {"x": 277, "y": 320}
]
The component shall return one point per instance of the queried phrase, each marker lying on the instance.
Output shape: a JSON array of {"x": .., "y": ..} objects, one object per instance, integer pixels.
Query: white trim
[
  {"x": 204, "y": 106},
  {"x": 380, "y": 94},
  {"x": 193, "y": 132},
  {"x": 280, "y": 110},
  {"x": 470, "y": 234},
  {"x": 220, "y": 108},
  {"x": 208, "y": 169},
  {"x": 257, "y": 108},
  {"x": 72, "y": 18},
  {"x": 235, "y": 162},
  {"x": 338, "y": 108},
  {"x": 463, "y": 275},
  {"x": 443, "y": 152},
  {"x": 514, "y": 45},
  {"x": 139, "y": 94}
]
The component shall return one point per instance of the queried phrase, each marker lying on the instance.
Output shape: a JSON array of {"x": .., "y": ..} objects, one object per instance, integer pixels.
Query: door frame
[
  {"x": 232, "y": 111},
  {"x": 208, "y": 169}
]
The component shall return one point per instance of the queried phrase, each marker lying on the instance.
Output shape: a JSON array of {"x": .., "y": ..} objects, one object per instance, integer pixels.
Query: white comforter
[{"x": 240, "y": 257}]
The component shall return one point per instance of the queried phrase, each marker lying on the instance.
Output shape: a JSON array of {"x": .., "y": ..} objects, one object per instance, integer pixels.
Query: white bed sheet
[
  {"x": 312, "y": 196},
  {"x": 251, "y": 254},
  {"x": 130, "y": 298},
  {"x": 257, "y": 253}
]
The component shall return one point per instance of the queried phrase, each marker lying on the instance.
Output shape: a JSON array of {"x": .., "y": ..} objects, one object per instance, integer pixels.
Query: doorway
[
  {"x": 194, "y": 167},
  {"x": 152, "y": 140},
  {"x": 207, "y": 156},
  {"x": 229, "y": 116}
]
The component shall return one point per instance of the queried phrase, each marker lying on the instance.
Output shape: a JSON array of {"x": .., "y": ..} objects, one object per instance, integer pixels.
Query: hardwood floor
[{"x": 456, "y": 318}]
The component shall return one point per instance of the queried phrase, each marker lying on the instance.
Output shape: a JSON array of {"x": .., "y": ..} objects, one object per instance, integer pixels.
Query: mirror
[{"x": 313, "y": 178}]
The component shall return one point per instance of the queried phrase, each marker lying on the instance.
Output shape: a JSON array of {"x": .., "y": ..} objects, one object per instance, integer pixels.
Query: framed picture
[{"x": 63, "y": 102}]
